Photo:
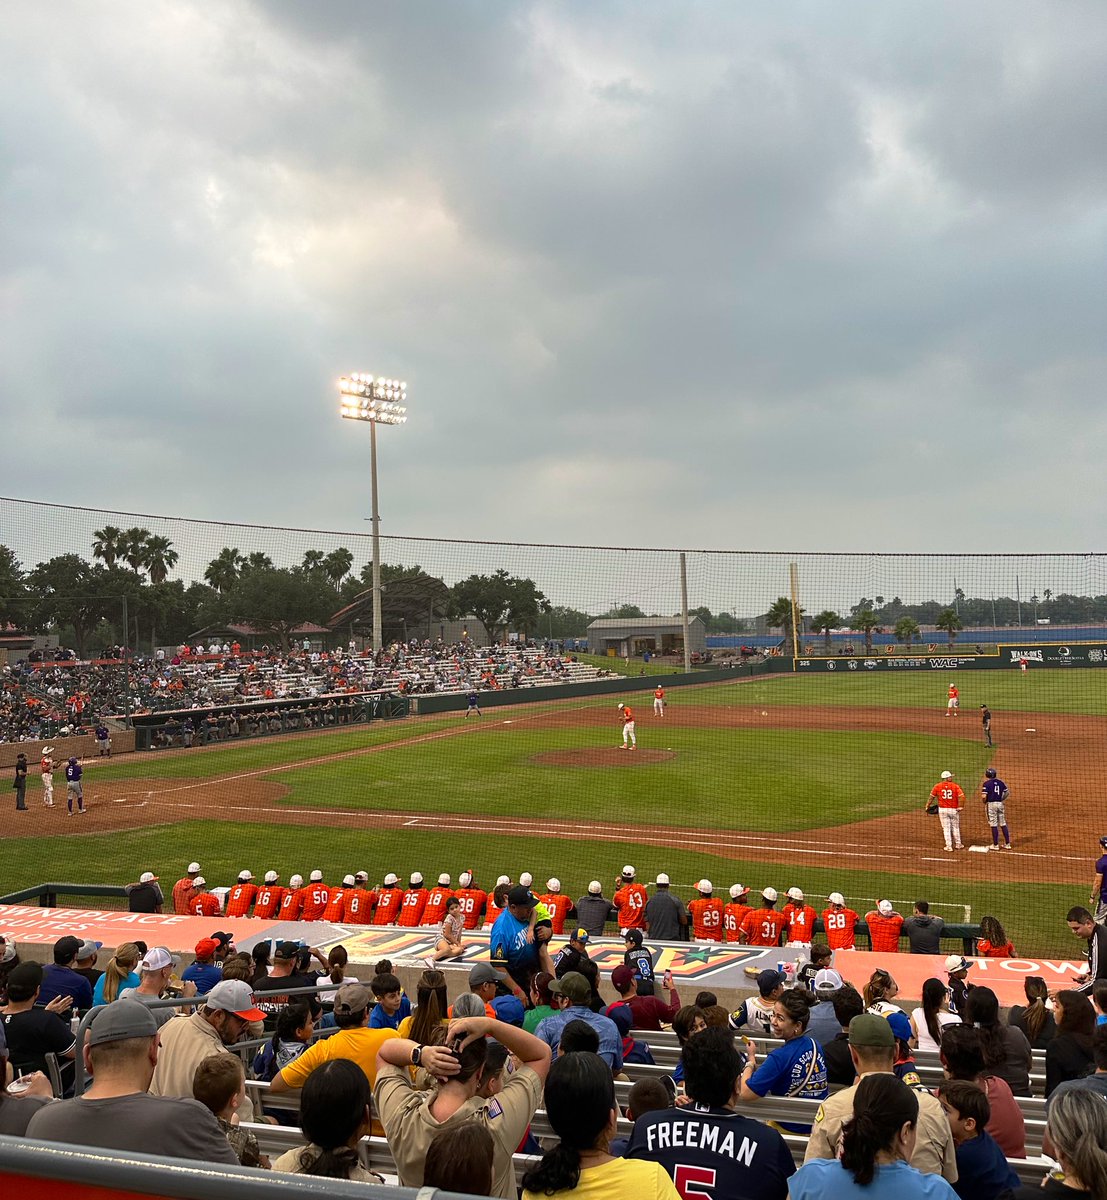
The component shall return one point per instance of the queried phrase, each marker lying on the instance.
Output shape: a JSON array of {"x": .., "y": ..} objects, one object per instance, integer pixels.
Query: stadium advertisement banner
[
  {"x": 1074, "y": 654},
  {"x": 929, "y": 662}
]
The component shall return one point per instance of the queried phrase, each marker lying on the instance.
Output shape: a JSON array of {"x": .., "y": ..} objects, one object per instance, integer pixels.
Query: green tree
[
  {"x": 257, "y": 562},
  {"x": 949, "y": 622},
  {"x": 337, "y": 565},
  {"x": 67, "y": 590},
  {"x": 313, "y": 562},
  {"x": 498, "y": 601},
  {"x": 133, "y": 548},
  {"x": 223, "y": 570},
  {"x": 160, "y": 558},
  {"x": 563, "y": 622},
  {"x": 823, "y": 622},
  {"x": 779, "y": 617},
  {"x": 907, "y": 631},
  {"x": 108, "y": 545},
  {"x": 277, "y": 600},
  {"x": 623, "y": 612},
  {"x": 13, "y": 590},
  {"x": 865, "y": 622}
]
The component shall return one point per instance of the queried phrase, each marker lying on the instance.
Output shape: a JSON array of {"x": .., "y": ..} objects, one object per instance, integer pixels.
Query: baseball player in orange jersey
[
  {"x": 201, "y": 903},
  {"x": 292, "y": 902},
  {"x": 735, "y": 912},
  {"x": 884, "y": 928},
  {"x": 659, "y": 701},
  {"x": 839, "y": 923},
  {"x": 436, "y": 901},
  {"x": 953, "y": 701},
  {"x": 762, "y": 926},
  {"x": 241, "y": 896},
  {"x": 707, "y": 914},
  {"x": 473, "y": 899},
  {"x": 799, "y": 919},
  {"x": 630, "y": 899},
  {"x": 336, "y": 905},
  {"x": 630, "y": 741},
  {"x": 389, "y": 900},
  {"x": 950, "y": 800},
  {"x": 267, "y": 903},
  {"x": 561, "y": 908},
  {"x": 414, "y": 902},
  {"x": 316, "y": 898},
  {"x": 182, "y": 890},
  {"x": 359, "y": 902}
]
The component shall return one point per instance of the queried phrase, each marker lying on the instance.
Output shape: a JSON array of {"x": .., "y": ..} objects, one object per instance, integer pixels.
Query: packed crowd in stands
[{"x": 58, "y": 698}]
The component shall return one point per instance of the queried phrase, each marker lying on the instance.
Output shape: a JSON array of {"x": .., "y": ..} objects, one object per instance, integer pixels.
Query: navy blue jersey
[
  {"x": 473, "y": 699},
  {"x": 994, "y": 791},
  {"x": 640, "y": 961},
  {"x": 73, "y": 772}
]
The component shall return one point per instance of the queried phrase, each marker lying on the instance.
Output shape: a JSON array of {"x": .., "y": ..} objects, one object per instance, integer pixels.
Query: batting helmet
[
  {"x": 991, "y": 772},
  {"x": 1103, "y": 842}
]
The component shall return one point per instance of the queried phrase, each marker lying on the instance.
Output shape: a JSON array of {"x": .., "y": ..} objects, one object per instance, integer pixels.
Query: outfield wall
[{"x": 1080, "y": 654}]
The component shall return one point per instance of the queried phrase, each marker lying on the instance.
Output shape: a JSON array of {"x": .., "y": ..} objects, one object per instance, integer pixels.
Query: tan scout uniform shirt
[
  {"x": 410, "y": 1128},
  {"x": 934, "y": 1153}
]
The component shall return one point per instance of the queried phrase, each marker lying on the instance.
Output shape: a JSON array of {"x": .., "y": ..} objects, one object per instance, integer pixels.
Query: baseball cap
[
  {"x": 156, "y": 958},
  {"x": 391, "y": 879},
  {"x": 347, "y": 881},
  {"x": 193, "y": 868},
  {"x": 286, "y": 951},
  {"x": 554, "y": 885},
  {"x": 361, "y": 876},
  {"x": 296, "y": 881},
  {"x": 704, "y": 885},
  {"x": 827, "y": 980},
  {"x": 206, "y": 947},
  {"x": 47, "y": 749},
  {"x": 623, "y": 1017},
  {"x": 579, "y": 935},
  {"x": 595, "y": 887},
  {"x": 870, "y": 1030},
  {"x": 769, "y": 894},
  {"x": 23, "y": 980},
  {"x": 662, "y": 879},
  {"x": 628, "y": 872},
  {"x": 793, "y": 893},
  {"x": 526, "y": 879},
  {"x": 271, "y": 876},
  {"x": 88, "y": 949},
  {"x": 633, "y": 935},
  {"x": 416, "y": 878},
  {"x": 66, "y": 948},
  {"x": 316, "y": 876},
  {"x": 147, "y": 877},
  {"x": 956, "y": 963},
  {"x": 122, "y": 1021},
  {"x": 521, "y": 896},
  {"x": 245, "y": 876},
  {"x": 836, "y": 898},
  {"x": 576, "y": 987},
  {"x": 900, "y": 1024},
  {"x": 947, "y": 774},
  {"x": 503, "y": 879},
  {"x": 351, "y": 998},
  {"x": 621, "y": 978},
  {"x": 738, "y": 889},
  {"x": 443, "y": 880},
  {"x": 768, "y": 981},
  {"x": 884, "y": 907},
  {"x": 509, "y": 1009},
  {"x": 199, "y": 882},
  {"x": 234, "y": 996},
  {"x": 465, "y": 879},
  {"x": 223, "y": 938},
  {"x": 481, "y": 973}
]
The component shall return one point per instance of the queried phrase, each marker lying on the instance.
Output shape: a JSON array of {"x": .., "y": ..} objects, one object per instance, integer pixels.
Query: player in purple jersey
[
  {"x": 995, "y": 794},
  {"x": 1099, "y": 888}
]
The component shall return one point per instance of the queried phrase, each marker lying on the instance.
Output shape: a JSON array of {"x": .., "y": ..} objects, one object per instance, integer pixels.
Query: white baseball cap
[
  {"x": 193, "y": 868},
  {"x": 595, "y": 887},
  {"x": 443, "y": 880},
  {"x": 827, "y": 980},
  {"x": 885, "y": 908},
  {"x": 738, "y": 889},
  {"x": 316, "y": 877},
  {"x": 464, "y": 879},
  {"x": 628, "y": 872},
  {"x": 836, "y": 898},
  {"x": 156, "y": 958},
  {"x": 147, "y": 877},
  {"x": 526, "y": 879},
  {"x": 947, "y": 774},
  {"x": 347, "y": 881},
  {"x": 390, "y": 879},
  {"x": 704, "y": 885},
  {"x": 663, "y": 879},
  {"x": 416, "y": 877},
  {"x": 769, "y": 893},
  {"x": 794, "y": 893},
  {"x": 47, "y": 749},
  {"x": 503, "y": 879},
  {"x": 554, "y": 885},
  {"x": 361, "y": 876},
  {"x": 199, "y": 881},
  {"x": 296, "y": 881},
  {"x": 956, "y": 963},
  {"x": 271, "y": 876},
  {"x": 245, "y": 876}
]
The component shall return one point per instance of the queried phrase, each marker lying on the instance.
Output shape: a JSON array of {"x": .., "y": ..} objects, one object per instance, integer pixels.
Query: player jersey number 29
[{"x": 693, "y": 1182}]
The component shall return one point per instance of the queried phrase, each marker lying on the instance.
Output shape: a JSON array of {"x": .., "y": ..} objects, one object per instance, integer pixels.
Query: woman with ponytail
[
  {"x": 1006, "y": 1050},
  {"x": 335, "y": 1114},
  {"x": 119, "y": 975},
  {"x": 1034, "y": 1018},
  {"x": 1077, "y": 1127},
  {"x": 580, "y": 1103},
  {"x": 928, "y": 1021},
  {"x": 876, "y": 1148},
  {"x": 429, "y": 1017}
]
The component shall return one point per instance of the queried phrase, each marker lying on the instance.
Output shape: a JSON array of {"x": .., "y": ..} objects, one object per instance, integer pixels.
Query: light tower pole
[{"x": 378, "y": 401}]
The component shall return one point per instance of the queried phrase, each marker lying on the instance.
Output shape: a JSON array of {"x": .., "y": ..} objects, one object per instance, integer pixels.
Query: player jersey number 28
[{"x": 836, "y": 920}]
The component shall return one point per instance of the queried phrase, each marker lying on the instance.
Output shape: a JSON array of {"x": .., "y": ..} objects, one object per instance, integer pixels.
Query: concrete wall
[{"x": 122, "y": 742}]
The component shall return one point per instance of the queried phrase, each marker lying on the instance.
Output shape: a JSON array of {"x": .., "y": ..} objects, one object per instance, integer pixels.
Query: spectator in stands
[
  {"x": 579, "y": 993},
  {"x": 577, "y": 1037},
  {"x": 272, "y": 990},
  {"x": 449, "y": 944},
  {"x": 412, "y": 1119},
  {"x": 570, "y": 957},
  {"x": 923, "y": 931},
  {"x": 429, "y": 1015},
  {"x": 822, "y": 958},
  {"x": 544, "y": 1003},
  {"x": 291, "y": 1039},
  {"x": 823, "y": 1026},
  {"x": 512, "y": 944},
  {"x": 60, "y": 979},
  {"x": 1099, "y": 999},
  {"x": 202, "y": 971},
  {"x": 993, "y": 941},
  {"x": 461, "y": 1160},
  {"x": 580, "y": 1103},
  {"x": 389, "y": 994},
  {"x": 220, "y": 1086},
  {"x": 16, "y": 1110},
  {"x": 1006, "y": 1050},
  {"x": 963, "y": 1058},
  {"x": 86, "y": 962},
  {"x": 1077, "y": 1131},
  {"x": 872, "y": 1046},
  {"x": 262, "y": 962},
  {"x": 876, "y": 1148},
  {"x": 666, "y": 917},
  {"x": 593, "y": 910},
  {"x": 155, "y": 971},
  {"x": 1069, "y": 1054},
  {"x": 646, "y": 1096},
  {"x": 9, "y": 960},
  {"x": 1034, "y": 1018},
  {"x": 335, "y": 1114},
  {"x": 633, "y": 1051},
  {"x": 983, "y": 1172},
  {"x": 1097, "y": 1081},
  {"x": 182, "y": 890},
  {"x": 120, "y": 974},
  {"x": 226, "y": 1014},
  {"x": 1083, "y": 926},
  {"x": 640, "y": 958},
  {"x": 795, "y": 1069},
  {"x": 757, "y": 1011},
  {"x": 647, "y": 1012},
  {"x": 932, "y": 1016},
  {"x": 957, "y": 972},
  {"x": 31, "y": 1031},
  {"x": 115, "y": 1112}
]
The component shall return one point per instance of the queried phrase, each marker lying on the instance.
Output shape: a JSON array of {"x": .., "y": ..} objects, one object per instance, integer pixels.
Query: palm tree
[
  {"x": 160, "y": 557},
  {"x": 223, "y": 570},
  {"x": 949, "y": 622},
  {"x": 107, "y": 545},
  {"x": 907, "y": 631},
  {"x": 780, "y": 617},
  {"x": 258, "y": 562},
  {"x": 313, "y": 561},
  {"x": 865, "y": 622},
  {"x": 823, "y": 623},
  {"x": 337, "y": 565},
  {"x": 133, "y": 549}
]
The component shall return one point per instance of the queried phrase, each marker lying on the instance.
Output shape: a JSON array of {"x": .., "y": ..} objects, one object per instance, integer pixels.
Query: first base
[
  {"x": 1031, "y": 731},
  {"x": 979, "y": 849}
]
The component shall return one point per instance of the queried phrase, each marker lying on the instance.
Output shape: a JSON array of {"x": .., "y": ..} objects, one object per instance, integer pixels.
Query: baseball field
[{"x": 816, "y": 782}]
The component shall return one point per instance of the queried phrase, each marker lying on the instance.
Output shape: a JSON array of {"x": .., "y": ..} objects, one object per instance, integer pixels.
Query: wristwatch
[{"x": 417, "y": 1056}]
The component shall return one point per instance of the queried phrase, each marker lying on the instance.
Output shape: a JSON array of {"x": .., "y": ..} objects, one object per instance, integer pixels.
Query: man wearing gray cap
[{"x": 116, "y": 1113}]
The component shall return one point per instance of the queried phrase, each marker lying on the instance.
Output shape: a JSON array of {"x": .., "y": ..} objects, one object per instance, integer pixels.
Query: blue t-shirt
[
  {"x": 379, "y": 1019},
  {"x": 508, "y": 942},
  {"x": 132, "y": 981},
  {"x": 795, "y": 1069},
  {"x": 473, "y": 698},
  {"x": 742, "y": 1157},
  {"x": 204, "y": 975},
  {"x": 611, "y": 1042},
  {"x": 982, "y": 1168},
  {"x": 827, "y": 1179}
]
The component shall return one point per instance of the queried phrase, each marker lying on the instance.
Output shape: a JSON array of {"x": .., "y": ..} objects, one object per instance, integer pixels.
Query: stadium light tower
[{"x": 380, "y": 402}]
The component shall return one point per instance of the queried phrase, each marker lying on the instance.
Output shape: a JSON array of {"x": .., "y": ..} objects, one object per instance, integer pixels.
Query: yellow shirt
[
  {"x": 358, "y": 1045},
  {"x": 620, "y": 1177}
]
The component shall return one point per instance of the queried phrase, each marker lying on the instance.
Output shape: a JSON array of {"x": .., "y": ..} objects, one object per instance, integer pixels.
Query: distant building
[{"x": 630, "y": 637}]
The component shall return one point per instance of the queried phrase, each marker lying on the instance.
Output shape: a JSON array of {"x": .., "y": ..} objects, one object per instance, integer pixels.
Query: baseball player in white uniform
[{"x": 47, "y": 776}]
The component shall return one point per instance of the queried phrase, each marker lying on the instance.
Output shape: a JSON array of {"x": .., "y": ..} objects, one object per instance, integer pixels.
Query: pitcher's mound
[{"x": 595, "y": 757}]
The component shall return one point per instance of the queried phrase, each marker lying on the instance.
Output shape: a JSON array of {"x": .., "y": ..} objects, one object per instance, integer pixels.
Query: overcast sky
[{"x": 767, "y": 276}]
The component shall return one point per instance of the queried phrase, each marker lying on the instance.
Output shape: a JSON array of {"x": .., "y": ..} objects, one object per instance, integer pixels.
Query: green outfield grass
[
  {"x": 1081, "y": 690},
  {"x": 634, "y": 669},
  {"x": 1033, "y": 914}
]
